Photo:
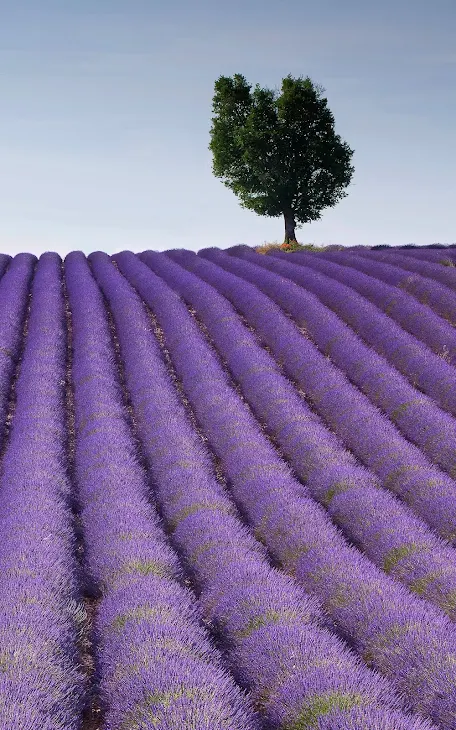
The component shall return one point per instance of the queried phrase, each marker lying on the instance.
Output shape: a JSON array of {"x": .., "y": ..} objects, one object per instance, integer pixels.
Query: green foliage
[
  {"x": 270, "y": 617},
  {"x": 395, "y": 555},
  {"x": 143, "y": 567},
  {"x": 335, "y": 489},
  {"x": 278, "y": 152},
  {"x": 140, "y": 613},
  {"x": 290, "y": 246},
  {"x": 321, "y": 705},
  {"x": 287, "y": 247}
]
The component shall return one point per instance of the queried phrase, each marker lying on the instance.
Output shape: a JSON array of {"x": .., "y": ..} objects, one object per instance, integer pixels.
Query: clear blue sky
[{"x": 106, "y": 109}]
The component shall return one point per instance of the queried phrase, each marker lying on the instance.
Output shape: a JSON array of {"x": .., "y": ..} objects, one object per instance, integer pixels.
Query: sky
[{"x": 106, "y": 106}]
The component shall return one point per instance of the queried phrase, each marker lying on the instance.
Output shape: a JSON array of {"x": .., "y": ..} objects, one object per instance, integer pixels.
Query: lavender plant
[
  {"x": 405, "y": 638},
  {"x": 14, "y": 288},
  {"x": 445, "y": 275},
  {"x": 434, "y": 295},
  {"x": 415, "y": 415},
  {"x": 155, "y": 665},
  {"x": 41, "y": 682},
  {"x": 424, "y": 369},
  {"x": 370, "y": 435},
  {"x": 387, "y": 531},
  {"x": 296, "y": 670},
  {"x": 5, "y": 261},
  {"x": 433, "y": 255},
  {"x": 413, "y": 317}
]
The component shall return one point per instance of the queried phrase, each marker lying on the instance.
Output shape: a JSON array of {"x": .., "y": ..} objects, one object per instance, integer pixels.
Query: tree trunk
[{"x": 290, "y": 224}]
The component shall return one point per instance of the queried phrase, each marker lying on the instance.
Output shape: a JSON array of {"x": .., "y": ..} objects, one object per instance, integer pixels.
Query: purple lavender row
[
  {"x": 155, "y": 665},
  {"x": 394, "y": 632},
  {"x": 445, "y": 275},
  {"x": 5, "y": 261},
  {"x": 401, "y": 467},
  {"x": 391, "y": 536},
  {"x": 245, "y": 604},
  {"x": 425, "y": 370},
  {"x": 439, "y": 256},
  {"x": 414, "y": 414},
  {"x": 297, "y": 671},
  {"x": 437, "y": 297},
  {"x": 14, "y": 289},
  {"x": 41, "y": 612},
  {"x": 413, "y": 317}
]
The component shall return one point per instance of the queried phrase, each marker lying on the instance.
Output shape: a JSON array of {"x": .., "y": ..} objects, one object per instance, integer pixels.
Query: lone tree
[{"x": 279, "y": 152}]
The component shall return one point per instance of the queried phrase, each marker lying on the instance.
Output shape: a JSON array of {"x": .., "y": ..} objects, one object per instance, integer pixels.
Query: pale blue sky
[{"x": 106, "y": 109}]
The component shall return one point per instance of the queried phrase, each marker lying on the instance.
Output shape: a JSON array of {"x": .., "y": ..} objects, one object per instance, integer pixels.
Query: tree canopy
[{"x": 278, "y": 152}]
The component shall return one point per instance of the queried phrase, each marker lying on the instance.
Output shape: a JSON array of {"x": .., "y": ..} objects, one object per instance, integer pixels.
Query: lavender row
[
  {"x": 14, "y": 289},
  {"x": 297, "y": 671},
  {"x": 391, "y": 536},
  {"x": 41, "y": 685},
  {"x": 394, "y": 632},
  {"x": 5, "y": 261},
  {"x": 415, "y": 415},
  {"x": 155, "y": 664},
  {"x": 435, "y": 255},
  {"x": 424, "y": 369},
  {"x": 413, "y": 317},
  {"x": 445, "y": 275},
  {"x": 401, "y": 467},
  {"x": 434, "y": 295}
]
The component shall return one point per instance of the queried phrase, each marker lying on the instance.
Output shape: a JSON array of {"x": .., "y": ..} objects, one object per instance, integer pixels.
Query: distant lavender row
[
  {"x": 155, "y": 665},
  {"x": 5, "y": 261},
  {"x": 370, "y": 435},
  {"x": 445, "y": 275},
  {"x": 396, "y": 633},
  {"x": 435, "y": 255},
  {"x": 415, "y": 415},
  {"x": 424, "y": 369},
  {"x": 14, "y": 288},
  {"x": 40, "y": 604},
  {"x": 413, "y": 317},
  {"x": 387, "y": 531},
  {"x": 296, "y": 670},
  {"x": 434, "y": 295}
]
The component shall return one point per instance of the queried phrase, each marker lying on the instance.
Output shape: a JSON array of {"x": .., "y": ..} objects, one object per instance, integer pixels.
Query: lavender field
[{"x": 228, "y": 490}]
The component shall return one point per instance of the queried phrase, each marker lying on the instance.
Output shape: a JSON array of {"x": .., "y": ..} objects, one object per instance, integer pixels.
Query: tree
[{"x": 278, "y": 152}]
